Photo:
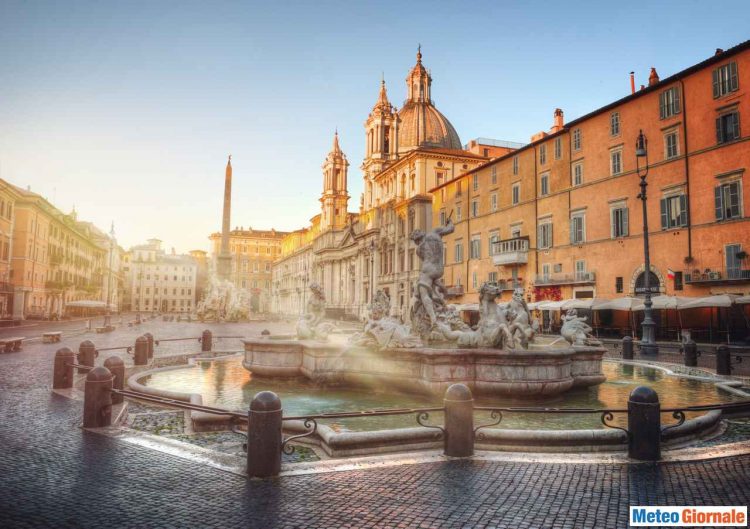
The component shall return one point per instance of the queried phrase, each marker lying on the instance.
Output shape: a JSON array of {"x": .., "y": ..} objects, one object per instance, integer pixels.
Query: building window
[
  {"x": 727, "y": 201},
  {"x": 475, "y": 182},
  {"x": 516, "y": 193},
  {"x": 725, "y": 79},
  {"x": 492, "y": 277},
  {"x": 545, "y": 271},
  {"x": 678, "y": 280},
  {"x": 580, "y": 270},
  {"x": 671, "y": 145},
  {"x": 619, "y": 220},
  {"x": 618, "y": 285},
  {"x": 614, "y": 124},
  {"x": 542, "y": 154},
  {"x": 474, "y": 208},
  {"x": 733, "y": 261},
  {"x": 459, "y": 212},
  {"x": 558, "y": 147},
  {"x": 544, "y": 236},
  {"x": 475, "y": 250},
  {"x": 545, "y": 185},
  {"x": 615, "y": 162},
  {"x": 493, "y": 202},
  {"x": 515, "y": 165},
  {"x": 439, "y": 176},
  {"x": 728, "y": 127},
  {"x": 442, "y": 217},
  {"x": 474, "y": 280},
  {"x": 669, "y": 103},
  {"x": 578, "y": 174},
  {"x": 494, "y": 243},
  {"x": 576, "y": 139},
  {"x": 673, "y": 212},
  {"x": 577, "y": 228},
  {"x": 493, "y": 174},
  {"x": 459, "y": 192},
  {"x": 458, "y": 255}
]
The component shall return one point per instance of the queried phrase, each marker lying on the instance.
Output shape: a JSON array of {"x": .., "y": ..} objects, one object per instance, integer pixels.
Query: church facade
[{"x": 353, "y": 255}]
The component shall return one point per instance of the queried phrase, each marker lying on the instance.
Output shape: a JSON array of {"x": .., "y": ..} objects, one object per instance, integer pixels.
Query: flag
[{"x": 670, "y": 273}]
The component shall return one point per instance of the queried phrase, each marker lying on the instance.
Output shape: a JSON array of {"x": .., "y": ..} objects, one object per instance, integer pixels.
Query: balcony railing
[
  {"x": 566, "y": 279},
  {"x": 511, "y": 251},
  {"x": 454, "y": 291},
  {"x": 714, "y": 275}
]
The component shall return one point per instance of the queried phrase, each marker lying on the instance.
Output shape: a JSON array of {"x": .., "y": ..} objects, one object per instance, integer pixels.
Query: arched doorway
[{"x": 654, "y": 284}]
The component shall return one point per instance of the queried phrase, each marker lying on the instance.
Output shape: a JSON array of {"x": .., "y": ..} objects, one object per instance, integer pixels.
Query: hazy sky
[{"x": 127, "y": 110}]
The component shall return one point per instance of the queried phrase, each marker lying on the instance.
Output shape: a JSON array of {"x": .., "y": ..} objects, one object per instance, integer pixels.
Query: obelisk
[{"x": 224, "y": 259}]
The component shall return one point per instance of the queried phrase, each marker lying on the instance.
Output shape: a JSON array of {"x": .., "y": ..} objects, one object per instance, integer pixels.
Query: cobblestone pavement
[{"x": 52, "y": 474}]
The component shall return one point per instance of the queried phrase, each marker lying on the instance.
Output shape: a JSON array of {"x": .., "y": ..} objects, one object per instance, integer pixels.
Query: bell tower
[
  {"x": 381, "y": 140},
  {"x": 335, "y": 197}
]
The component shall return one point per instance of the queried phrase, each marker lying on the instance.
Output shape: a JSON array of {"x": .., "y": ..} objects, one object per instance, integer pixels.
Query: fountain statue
[
  {"x": 311, "y": 324},
  {"x": 575, "y": 329},
  {"x": 223, "y": 301},
  {"x": 382, "y": 330}
]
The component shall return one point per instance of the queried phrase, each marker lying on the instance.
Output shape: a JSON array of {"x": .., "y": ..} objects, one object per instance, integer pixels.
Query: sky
[{"x": 127, "y": 110}]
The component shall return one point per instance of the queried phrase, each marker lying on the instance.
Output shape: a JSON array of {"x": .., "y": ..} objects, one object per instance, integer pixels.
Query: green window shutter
[
  {"x": 734, "y": 199},
  {"x": 572, "y": 230},
  {"x": 715, "y": 75},
  {"x": 676, "y": 105},
  {"x": 719, "y": 131},
  {"x": 662, "y": 105},
  {"x": 733, "y": 81},
  {"x": 683, "y": 210},
  {"x": 625, "y": 228},
  {"x": 735, "y": 126},
  {"x": 718, "y": 203},
  {"x": 664, "y": 220}
]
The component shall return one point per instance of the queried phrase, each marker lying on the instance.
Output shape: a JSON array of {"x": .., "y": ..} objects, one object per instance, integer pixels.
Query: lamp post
[{"x": 648, "y": 326}]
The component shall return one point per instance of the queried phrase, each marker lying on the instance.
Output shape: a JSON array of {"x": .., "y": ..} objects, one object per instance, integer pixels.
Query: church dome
[{"x": 422, "y": 125}]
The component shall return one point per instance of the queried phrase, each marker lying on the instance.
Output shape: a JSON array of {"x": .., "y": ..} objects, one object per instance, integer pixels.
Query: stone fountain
[
  {"x": 501, "y": 355},
  {"x": 223, "y": 301}
]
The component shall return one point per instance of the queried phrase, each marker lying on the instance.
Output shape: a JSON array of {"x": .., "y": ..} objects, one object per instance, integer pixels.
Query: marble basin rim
[{"x": 543, "y": 370}]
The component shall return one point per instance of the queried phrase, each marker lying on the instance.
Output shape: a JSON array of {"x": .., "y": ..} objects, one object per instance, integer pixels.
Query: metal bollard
[
  {"x": 627, "y": 348},
  {"x": 644, "y": 424},
  {"x": 264, "y": 435},
  {"x": 140, "y": 356},
  {"x": 206, "y": 341},
  {"x": 97, "y": 398},
  {"x": 86, "y": 355},
  {"x": 117, "y": 367},
  {"x": 62, "y": 377},
  {"x": 107, "y": 321},
  {"x": 458, "y": 438},
  {"x": 723, "y": 361},
  {"x": 150, "y": 338},
  {"x": 138, "y": 318},
  {"x": 690, "y": 348}
]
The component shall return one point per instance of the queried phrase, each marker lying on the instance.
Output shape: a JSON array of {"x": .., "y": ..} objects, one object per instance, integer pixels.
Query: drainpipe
[{"x": 687, "y": 168}]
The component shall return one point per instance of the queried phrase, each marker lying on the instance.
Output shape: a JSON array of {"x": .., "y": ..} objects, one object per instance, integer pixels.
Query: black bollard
[
  {"x": 150, "y": 338},
  {"x": 140, "y": 356},
  {"x": 458, "y": 439},
  {"x": 86, "y": 355},
  {"x": 723, "y": 361},
  {"x": 627, "y": 348},
  {"x": 117, "y": 367},
  {"x": 97, "y": 398},
  {"x": 264, "y": 435},
  {"x": 690, "y": 348},
  {"x": 644, "y": 424},
  {"x": 62, "y": 378},
  {"x": 206, "y": 341}
]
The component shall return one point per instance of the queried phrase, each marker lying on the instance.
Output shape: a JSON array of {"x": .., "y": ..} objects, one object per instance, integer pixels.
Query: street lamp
[{"x": 648, "y": 326}]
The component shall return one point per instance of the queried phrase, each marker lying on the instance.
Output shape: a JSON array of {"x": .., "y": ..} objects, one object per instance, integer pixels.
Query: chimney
[
  {"x": 719, "y": 51},
  {"x": 632, "y": 82},
  {"x": 558, "y": 121},
  {"x": 653, "y": 77}
]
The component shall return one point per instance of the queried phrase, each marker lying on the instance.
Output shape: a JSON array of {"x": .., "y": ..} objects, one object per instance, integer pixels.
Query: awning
[
  {"x": 722, "y": 300},
  {"x": 625, "y": 303},
  {"x": 742, "y": 300},
  {"x": 87, "y": 304},
  {"x": 584, "y": 303}
]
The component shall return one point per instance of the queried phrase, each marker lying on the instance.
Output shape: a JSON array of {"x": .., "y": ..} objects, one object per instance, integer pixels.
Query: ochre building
[{"x": 561, "y": 217}]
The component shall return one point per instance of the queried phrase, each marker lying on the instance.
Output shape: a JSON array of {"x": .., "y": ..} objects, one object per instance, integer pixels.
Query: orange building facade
[{"x": 561, "y": 217}]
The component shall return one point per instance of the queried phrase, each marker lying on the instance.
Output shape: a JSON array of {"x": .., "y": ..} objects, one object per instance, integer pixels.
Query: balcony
[
  {"x": 579, "y": 278},
  {"x": 715, "y": 276},
  {"x": 454, "y": 291},
  {"x": 511, "y": 251}
]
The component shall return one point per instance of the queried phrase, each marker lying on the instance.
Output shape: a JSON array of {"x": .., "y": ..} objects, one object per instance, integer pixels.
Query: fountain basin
[{"x": 540, "y": 371}]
